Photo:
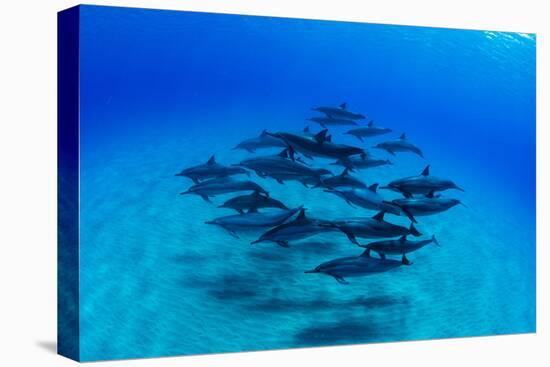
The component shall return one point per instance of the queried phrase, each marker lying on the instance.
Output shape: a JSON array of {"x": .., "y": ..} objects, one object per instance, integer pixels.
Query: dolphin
[
  {"x": 264, "y": 141},
  {"x": 252, "y": 201},
  {"x": 253, "y": 220},
  {"x": 366, "y": 198},
  {"x": 361, "y": 161},
  {"x": 281, "y": 169},
  {"x": 343, "y": 179},
  {"x": 330, "y": 121},
  {"x": 422, "y": 206},
  {"x": 224, "y": 185},
  {"x": 210, "y": 169},
  {"x": 369, "y": 131},
  {"x": 421, "y": 184},
  {"x": 260, "y": 142},
  {"x": 340, "y": 112},
  {"x": 355, "y": 266},
  {"x": 375, "y": 227},
  {"x": 401, "y": 246},
  {"x": 300, "y": 228},
  {"x": 318, "y": 145},
  {"x": 399, "y": 145}
]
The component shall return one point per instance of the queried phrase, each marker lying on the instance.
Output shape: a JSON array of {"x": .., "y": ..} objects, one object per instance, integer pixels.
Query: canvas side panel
[{"x": 68, "y": 330}]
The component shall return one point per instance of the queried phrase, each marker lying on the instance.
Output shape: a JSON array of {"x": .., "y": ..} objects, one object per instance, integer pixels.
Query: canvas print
[{"x": 235, "y": 183}]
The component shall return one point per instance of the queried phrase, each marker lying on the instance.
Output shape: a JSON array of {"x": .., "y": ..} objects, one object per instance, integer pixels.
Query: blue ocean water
[{"x": 163, "y": 90}]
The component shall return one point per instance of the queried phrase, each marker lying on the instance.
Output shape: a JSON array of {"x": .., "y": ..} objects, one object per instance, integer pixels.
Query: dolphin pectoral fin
[
  {"x": 351, "y": 204},
  {"x": 340, "y": 279},
  {"x": 240, "y": 211},
  {"x": 260, "y": 174},
  {"x": 206, "y": 198},
  {"x": 409, "y": 215},
  {"x": 305, "y": 185},
  {"x": 405, "y": 261},
  {"x": 283, "y": 244},
  {"x": 250, "y": 150},
  {"x": 280, "y": 181},
  {"x": 414, "y": 231},
  {"x": 390, "y": 151},
  {"x": 360, "y": 138},
  {"x": 351, "y": 237},
  {"x": 382, "y": 255},
  {"x": 407, "y": 195},
  {"x": 195, "y": 180},
  {"x": 233, "y": 233}
]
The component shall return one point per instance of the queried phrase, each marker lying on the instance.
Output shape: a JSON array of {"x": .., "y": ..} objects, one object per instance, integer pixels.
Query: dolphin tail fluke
[
  {"x": 435, "y": 241},
  {"x": 414, "y": 231}
]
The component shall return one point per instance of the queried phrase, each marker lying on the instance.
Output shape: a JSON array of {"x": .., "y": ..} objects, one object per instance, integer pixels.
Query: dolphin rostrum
[
  {"x": 399, "y": 145},
  {"x": 210, "y": 169}
]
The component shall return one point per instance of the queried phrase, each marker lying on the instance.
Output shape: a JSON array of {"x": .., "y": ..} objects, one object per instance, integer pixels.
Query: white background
[{"x": 28, "y": 182}]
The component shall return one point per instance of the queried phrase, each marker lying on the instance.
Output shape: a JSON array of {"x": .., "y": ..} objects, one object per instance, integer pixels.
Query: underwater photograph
[{"x": 253, "y": 183}]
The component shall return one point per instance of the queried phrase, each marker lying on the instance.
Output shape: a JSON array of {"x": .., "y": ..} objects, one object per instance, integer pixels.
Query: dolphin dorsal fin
[
  {"x": 430, "y": 194},
  {"x": 380, "y": 216},
  {"x": 403, "y": 136},
  {"x": 306, "y": 129},
  {"x": 283, "y": 153},
  {"x": 403, "y": 238},
  {"x": 321, "y": 136},
  {"x": 344, "y": 105},
  {"x": 373, "y": 187},
  {"x": 211, "y": 161},
  {"x": 371, "y": 123},
  {"x": 264, "y": 132},
  {"x": 301, "y": 214},
  {"x": 426, "y": 171}
]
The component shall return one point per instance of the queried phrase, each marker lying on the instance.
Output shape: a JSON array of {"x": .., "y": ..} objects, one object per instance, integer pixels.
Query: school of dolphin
[{"x": 258, "y": 210}]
